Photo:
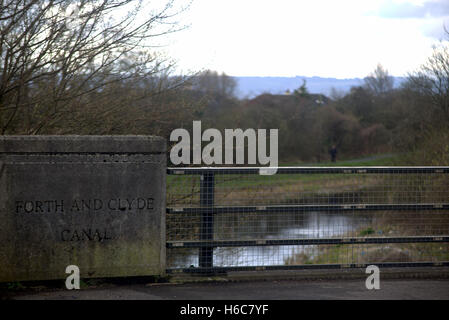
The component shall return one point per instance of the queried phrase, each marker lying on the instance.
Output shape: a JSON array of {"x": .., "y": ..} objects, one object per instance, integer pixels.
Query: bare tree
[
  {"x": 211, "y": 82},
  {"x": 55, "y": 52},
  {"x": 432, "y": 79},
  {"x": 379, "y": 82}
]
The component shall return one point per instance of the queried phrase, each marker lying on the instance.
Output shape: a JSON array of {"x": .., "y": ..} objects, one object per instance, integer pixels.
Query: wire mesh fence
[{"x": 236, "y": 219}]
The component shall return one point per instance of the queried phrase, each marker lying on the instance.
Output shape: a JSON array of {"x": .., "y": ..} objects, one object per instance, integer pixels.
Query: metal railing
[{"x": 229, "y": 219}]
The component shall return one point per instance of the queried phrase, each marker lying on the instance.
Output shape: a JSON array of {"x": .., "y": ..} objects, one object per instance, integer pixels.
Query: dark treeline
[
  {"x": 374, "y": 118},
  {"x": 370, "y": 119}
]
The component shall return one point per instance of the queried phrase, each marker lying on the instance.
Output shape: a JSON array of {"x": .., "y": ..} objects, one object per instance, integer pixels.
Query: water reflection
[{"x": 274, "y": 226}]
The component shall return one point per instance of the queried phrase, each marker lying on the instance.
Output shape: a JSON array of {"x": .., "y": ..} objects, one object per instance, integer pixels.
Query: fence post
[{"x": 207, "y": 188}]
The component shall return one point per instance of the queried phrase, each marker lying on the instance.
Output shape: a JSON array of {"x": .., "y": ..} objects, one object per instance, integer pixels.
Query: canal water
[{"x": 305, "y": 225}]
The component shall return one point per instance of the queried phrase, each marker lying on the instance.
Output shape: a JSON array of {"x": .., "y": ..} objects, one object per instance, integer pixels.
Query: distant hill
[{"x": 249, "y": 87}]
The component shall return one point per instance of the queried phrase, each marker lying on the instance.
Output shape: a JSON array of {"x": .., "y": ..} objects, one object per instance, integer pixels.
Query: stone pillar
[{"x": 97, "y": 202}]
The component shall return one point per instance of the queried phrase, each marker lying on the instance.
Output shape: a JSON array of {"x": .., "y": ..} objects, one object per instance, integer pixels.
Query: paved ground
[{"x": 270, "y": 290}]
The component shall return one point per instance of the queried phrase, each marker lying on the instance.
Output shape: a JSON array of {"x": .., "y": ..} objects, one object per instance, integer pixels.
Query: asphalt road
[{"x": 265, "y": 290}]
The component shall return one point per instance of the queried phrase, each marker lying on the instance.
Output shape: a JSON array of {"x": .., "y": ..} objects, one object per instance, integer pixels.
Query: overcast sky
[{"x": 327, "y": 38}]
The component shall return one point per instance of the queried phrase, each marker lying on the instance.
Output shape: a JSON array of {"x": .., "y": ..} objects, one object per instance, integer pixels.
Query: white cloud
[
  {"x": 287, "y": 38},
  {"x": 413, "y": 9}
]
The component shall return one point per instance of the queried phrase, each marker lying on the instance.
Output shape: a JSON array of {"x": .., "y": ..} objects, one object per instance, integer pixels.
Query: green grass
[
  {"x": 310, "y": 182},
  {"x": 375, "y": 160},
  {"x": 367, "y": 231},
  {"x": 378, "y": 253},
  {"x": 15, "y": 286},
  {"x": 182, "y": 185}
]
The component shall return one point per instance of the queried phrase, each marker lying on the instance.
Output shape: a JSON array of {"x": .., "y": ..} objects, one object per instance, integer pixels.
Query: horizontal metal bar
[
  {"x": 312, "y": 241},
  {"x": 310, "y": 266},
  {"x": 303, "y": 208},
  {"x": 307, "y": 170}
]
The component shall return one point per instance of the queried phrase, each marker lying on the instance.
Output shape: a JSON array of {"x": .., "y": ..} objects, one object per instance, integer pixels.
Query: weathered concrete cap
[{"x": 82, "y": 144}]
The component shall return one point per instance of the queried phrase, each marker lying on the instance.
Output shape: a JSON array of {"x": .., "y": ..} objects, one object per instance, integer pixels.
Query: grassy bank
[
  {"x": 185, "y": 189},
  {"x": 385, "y": 224},
  {"x": 373, "y": 160}
]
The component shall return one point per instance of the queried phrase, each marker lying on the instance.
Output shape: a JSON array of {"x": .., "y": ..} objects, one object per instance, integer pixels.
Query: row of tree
[{"x": 377, "y": 117}]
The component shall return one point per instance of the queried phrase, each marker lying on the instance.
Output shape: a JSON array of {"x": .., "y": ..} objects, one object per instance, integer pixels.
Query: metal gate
[{"x": 231, "y": 219}]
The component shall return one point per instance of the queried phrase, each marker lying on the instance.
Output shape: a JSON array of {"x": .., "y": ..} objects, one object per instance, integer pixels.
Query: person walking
[{"x": 333, "y": 153}]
